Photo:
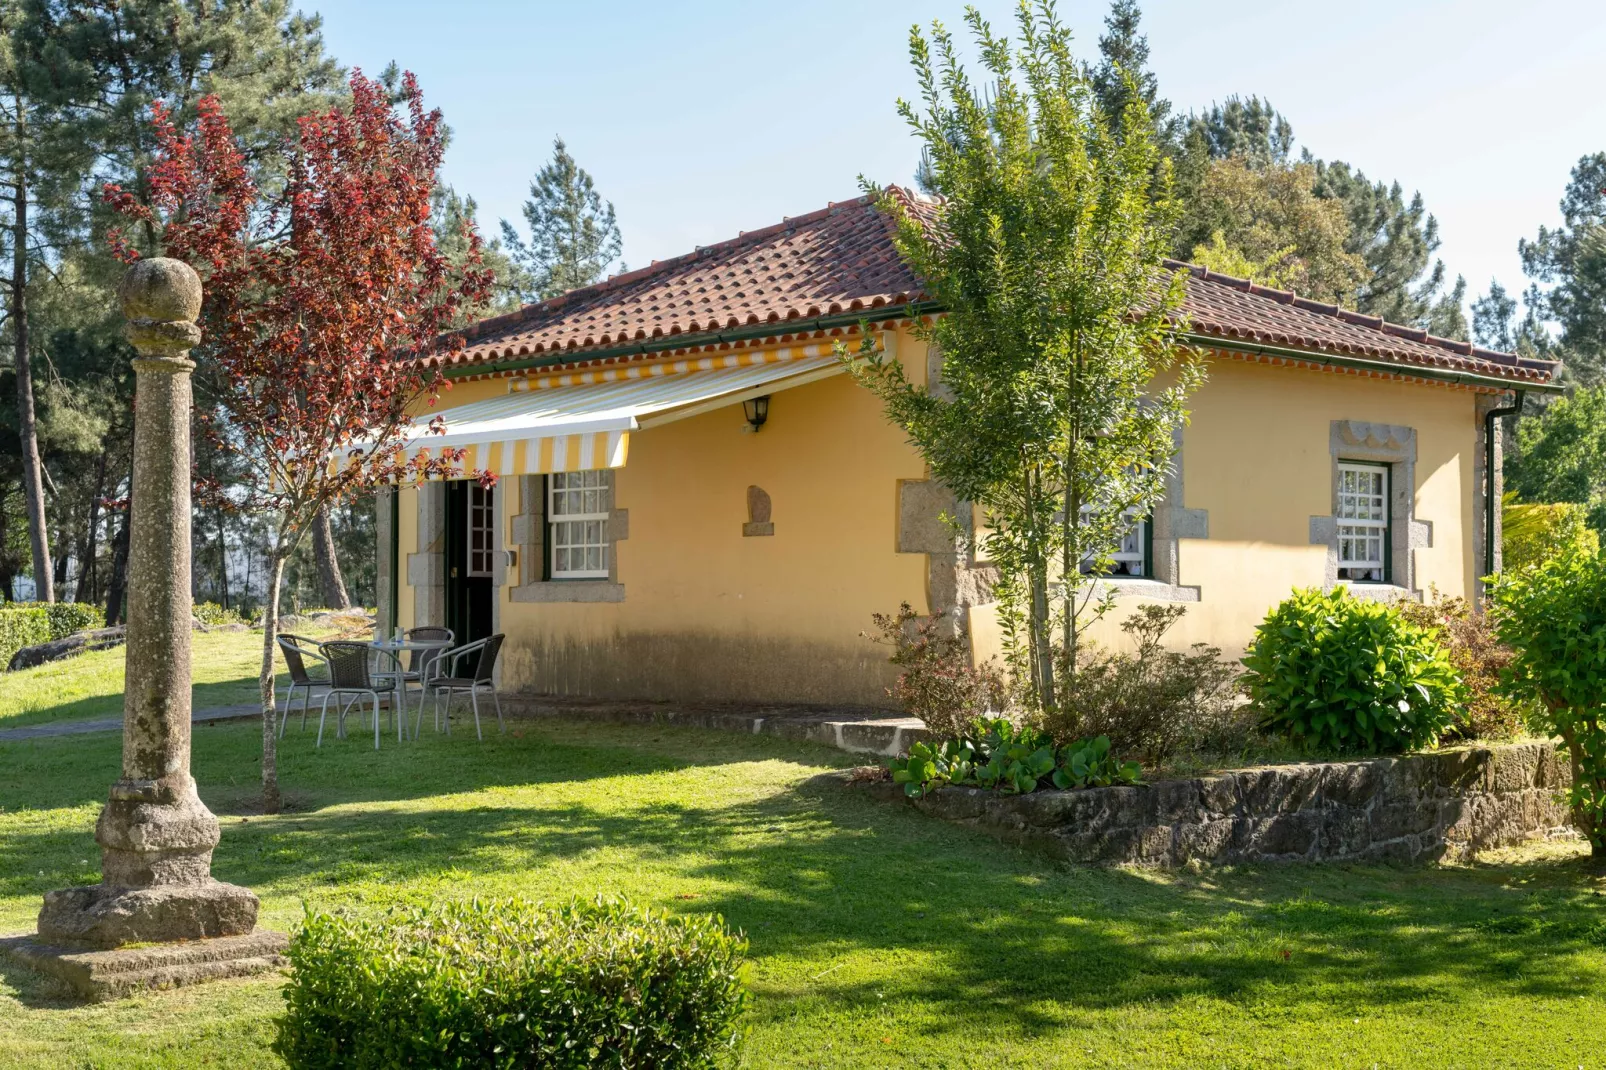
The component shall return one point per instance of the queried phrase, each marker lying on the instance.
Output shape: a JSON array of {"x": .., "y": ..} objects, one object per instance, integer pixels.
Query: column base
[
  {"x": 105, "y": 916},
  {"x": 99, "y": 975}
]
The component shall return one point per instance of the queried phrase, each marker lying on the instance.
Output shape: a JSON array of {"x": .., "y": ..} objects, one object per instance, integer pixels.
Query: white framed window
[
  {"x": 578, "y": 504},
  {"x": 481, "y": 528},
  {"x": 1363, "y": 522},
  {"x": 1131, "y": 557}
]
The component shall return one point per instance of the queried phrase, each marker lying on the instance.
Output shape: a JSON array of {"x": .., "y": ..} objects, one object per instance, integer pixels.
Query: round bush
[{"x": 1338, "y": 673}]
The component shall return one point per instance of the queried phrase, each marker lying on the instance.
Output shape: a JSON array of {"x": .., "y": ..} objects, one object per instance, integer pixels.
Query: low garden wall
[{"x": 1420, "y": 807}]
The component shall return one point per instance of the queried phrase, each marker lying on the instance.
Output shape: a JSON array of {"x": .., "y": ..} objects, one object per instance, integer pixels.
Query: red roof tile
[{"x": 841, "y": 260}]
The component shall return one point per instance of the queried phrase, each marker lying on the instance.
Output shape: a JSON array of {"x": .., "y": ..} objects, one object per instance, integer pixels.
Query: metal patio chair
[
  {"x": 447, "y": 682},
  {"x": 350, "y": 675},
  {"x": 297, "y": 649}
]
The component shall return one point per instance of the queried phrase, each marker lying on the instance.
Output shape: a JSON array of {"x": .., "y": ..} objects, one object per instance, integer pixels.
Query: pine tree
[
  {"x": 574, "y": 237},
  {"x": 1124, "y": 72},
  {"x": 1570, "y": 262},
  {"x": 453, "y": 217}
]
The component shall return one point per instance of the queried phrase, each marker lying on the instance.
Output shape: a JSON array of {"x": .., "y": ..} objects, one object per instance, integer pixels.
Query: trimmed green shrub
[
  {"x": 1343, "y": 674},
  {"x": 510, "y": 983},
  {"x": 1553, "y": 617},
  {"x": 1531, "y": 534},
  {"x": 31, "y": 623},
  {"x": 210, "y": 613}
]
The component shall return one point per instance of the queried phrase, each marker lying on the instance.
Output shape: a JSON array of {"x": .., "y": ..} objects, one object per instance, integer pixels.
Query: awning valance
[{"x": 583, "y": 420}]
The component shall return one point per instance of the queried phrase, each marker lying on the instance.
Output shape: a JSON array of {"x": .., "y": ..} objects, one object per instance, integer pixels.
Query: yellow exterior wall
[
  {"x": 709, "y": 614},
  {"x": 1256, "y": 455}
]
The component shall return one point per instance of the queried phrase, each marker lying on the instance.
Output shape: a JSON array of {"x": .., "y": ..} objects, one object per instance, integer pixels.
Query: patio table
[{"x": 394, "y": 648}]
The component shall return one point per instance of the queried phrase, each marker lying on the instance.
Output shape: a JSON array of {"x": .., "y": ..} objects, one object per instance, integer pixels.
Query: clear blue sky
[{"x": 699, "y": 120}]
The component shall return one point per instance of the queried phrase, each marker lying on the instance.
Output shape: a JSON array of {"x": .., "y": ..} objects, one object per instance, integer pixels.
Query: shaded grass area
[
  {"x": 879, "y": 937},
  {"x": 90, "y": 686}
]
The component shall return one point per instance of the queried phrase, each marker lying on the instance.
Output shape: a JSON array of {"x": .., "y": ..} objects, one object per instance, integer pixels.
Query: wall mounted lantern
[{"x": 757, "y": 410}]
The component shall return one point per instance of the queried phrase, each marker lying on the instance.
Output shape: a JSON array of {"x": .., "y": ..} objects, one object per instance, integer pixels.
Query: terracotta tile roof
[
  {"x": 837, "y": 260},
  {"x": 1237, "y": 310},
  {"x": 840, "y": 261}
]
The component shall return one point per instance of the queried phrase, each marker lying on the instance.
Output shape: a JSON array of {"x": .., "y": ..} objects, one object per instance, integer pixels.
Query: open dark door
[{"x": 470, "y": 529}]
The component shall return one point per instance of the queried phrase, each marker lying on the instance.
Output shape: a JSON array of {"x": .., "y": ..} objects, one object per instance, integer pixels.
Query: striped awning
[{"x": 583, "y": 420}]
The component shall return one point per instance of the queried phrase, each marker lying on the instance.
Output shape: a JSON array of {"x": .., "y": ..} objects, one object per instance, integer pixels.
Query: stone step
[{"x": 101, "y": 975}]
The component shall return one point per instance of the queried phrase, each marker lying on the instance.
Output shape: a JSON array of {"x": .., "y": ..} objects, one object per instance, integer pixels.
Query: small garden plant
[
  {"x": 1346, "y": 675},
  {"x": 1012, "y": 759},
  {"x": 1553, "y": 616},
  {"x": 510, "y": 983}
]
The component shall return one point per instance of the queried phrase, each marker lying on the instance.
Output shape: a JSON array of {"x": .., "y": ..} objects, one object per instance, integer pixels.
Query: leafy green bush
[
  {"x": 1011, "y": 759},
  {"x": 1553, "y": 616},
  {"x": 1089, "y": 764},
  {"x": 1153, "y": 701},
  {"x": 1343, "y": 674},
  {"x": 210, "y": 613},
  {"x": 1531, "y": 534},
  {"x": 511, "y": 983},
  {"x": 31, "y": 623}
]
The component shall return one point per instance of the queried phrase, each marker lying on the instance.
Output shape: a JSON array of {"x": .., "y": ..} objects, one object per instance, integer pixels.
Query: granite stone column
[{"x": 156, "y": 835}]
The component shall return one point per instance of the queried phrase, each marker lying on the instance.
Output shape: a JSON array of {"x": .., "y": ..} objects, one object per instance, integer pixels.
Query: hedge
[
  {"x": 508, "y": 983},
  {"x": 31, "y": 623}
]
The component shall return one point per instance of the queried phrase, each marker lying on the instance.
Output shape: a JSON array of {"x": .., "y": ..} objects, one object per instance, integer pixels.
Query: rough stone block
[
  {"x": 1392, "y": 820},
  {"x": 1286, "y": 834},
  {"x": 1284, "y": 788},
  {"x": 101, "y": 975},
  {"x": 1344, "y": 832},
  {"x": 954, "y": 804},
  {"x": 1207, "y": 841},
  {"x": 1219, "y": 794},
  {"x": 105, "y": 916},
  {"x": 1176, "y": 802},
  {"x": 1350, "y": 784}
]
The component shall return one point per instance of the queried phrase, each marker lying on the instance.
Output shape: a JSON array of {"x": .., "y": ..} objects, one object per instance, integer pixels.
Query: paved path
[{"x": 115, "y": 724}]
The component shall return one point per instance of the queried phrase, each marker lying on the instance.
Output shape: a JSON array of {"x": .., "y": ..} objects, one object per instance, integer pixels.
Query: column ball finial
[{"x": 160, "y": 290}]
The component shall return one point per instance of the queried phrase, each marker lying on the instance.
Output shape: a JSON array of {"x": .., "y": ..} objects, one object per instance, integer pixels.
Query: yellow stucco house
[{"x": 695, "y": 503}]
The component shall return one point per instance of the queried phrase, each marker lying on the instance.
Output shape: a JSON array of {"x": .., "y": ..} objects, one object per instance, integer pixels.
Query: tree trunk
[
  {"x": 271, "y": 801},
  {"x": 89, "y": 570},
  {"x": 222, "y": 559},
  {"x": 323, "y": 549},
  {"x": 119, "y": 580},
  {"x": 33, "y": 489}
]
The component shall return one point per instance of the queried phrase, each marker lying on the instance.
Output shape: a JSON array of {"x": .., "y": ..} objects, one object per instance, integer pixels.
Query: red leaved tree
[{"x": 323, "y": 302}]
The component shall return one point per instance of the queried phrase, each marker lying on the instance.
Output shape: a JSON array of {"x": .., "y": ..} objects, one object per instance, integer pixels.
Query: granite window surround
[
  {"x": 1393, "y": 445},
  {"x": 529, "y": 534},
  {"x": 1170, "y": 523}
]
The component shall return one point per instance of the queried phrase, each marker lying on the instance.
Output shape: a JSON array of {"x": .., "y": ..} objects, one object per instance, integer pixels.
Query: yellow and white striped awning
[{"x": 583, "y": 420}]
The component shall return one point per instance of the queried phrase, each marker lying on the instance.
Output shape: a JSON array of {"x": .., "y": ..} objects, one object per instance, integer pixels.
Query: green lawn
[
  {"x": 879, "y": 937},
  {"x": 224, "y": 670}
]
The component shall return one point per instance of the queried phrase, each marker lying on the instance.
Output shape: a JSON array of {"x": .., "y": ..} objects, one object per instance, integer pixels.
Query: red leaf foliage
[{"x": 324, "y": 300}]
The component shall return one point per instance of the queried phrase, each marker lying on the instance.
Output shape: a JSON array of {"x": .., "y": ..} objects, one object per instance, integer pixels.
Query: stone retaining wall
[{"x": 1447, "y": 804}]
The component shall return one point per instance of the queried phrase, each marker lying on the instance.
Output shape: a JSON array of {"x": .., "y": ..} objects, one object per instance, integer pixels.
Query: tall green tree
[
  {"x": 1560, "y": 456},
  {"x": 1045, "y": 252},
  {"x": 1570, "y": 264},
  {"x": 95, "y": 68},
  {"x": 574, "y": 237},
  {"x": 1392, "y": 238},
  {"x": 454, "y": 217},
  {"x": 1123, "y": 71}
]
